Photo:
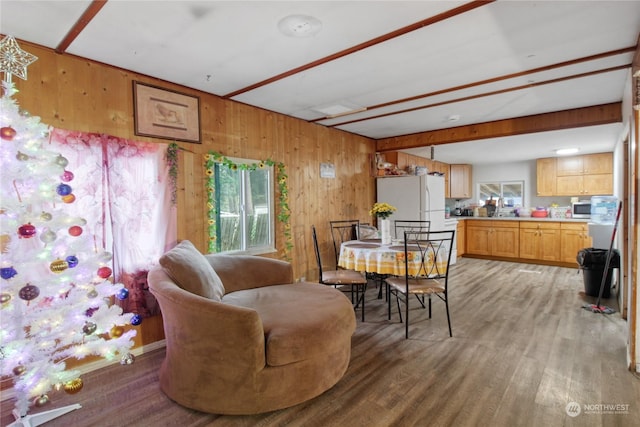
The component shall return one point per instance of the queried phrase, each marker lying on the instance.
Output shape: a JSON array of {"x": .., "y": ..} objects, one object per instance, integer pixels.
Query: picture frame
[
  {"x": 166, "y": 114},
  {"x": 327, "y": 170}
]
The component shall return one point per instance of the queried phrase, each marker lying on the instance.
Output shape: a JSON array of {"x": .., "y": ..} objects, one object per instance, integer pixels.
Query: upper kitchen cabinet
[
  {"x": 460, "y": 182},
  {"x": 588, "y": 164},
  {"x": 586, "y": 175},
  {"x": 546, "y": 176},
  {"x": 445, "y": 170}
]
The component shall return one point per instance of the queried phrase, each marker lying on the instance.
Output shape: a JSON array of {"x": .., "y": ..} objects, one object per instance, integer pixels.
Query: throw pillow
[{"x": 192, "y": 272}]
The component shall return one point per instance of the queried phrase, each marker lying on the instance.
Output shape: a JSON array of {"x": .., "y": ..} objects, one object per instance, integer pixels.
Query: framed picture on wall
[{"x": 162, "y": 113}]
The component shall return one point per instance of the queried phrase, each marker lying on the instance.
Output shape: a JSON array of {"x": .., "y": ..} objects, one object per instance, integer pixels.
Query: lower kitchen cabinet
[
  {"x": 573, "y": 237},
  {"x": 540, "y": 240},
  {"x": 493, "y": 238}
]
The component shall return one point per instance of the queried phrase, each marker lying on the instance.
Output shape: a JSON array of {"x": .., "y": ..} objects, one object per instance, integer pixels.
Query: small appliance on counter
[{"x": 581, "y": 209}]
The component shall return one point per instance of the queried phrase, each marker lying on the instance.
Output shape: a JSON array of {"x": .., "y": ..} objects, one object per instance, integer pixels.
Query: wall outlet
[{"x": 302, "y": 279}]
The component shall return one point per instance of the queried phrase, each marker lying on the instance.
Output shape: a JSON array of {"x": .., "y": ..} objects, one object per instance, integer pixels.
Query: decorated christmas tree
[{"x": 56, "y": 287}]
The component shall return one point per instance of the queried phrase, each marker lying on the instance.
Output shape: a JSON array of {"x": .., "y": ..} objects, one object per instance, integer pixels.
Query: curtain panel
[{"x": 123, "y": 191}]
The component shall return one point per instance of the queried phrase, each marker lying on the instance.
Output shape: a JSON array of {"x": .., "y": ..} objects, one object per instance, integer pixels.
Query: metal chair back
[{"x": 343, "y": 231}]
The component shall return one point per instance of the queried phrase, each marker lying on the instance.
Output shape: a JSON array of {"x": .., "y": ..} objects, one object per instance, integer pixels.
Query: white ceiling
[{"x": 366, "y": 55}]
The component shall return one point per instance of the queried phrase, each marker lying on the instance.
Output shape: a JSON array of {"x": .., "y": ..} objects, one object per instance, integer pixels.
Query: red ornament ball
[
  {"x": 19, "y": 370},
  {"x": 26, "y": 231},
  {"x": 7, "y": 133},
  {"x": 104, "y": 272},
  {"x": 69, "y": 198},
  {"x": 75, "y": 231}
]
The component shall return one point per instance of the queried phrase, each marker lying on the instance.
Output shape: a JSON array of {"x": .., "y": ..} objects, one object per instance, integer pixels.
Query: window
[
  {"x": 511, "y": 192},
  {"x": 245, "y": 215}
]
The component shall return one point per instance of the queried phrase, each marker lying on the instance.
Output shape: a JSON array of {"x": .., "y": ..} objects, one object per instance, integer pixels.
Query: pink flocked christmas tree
[{"x": 56, "y": 288}]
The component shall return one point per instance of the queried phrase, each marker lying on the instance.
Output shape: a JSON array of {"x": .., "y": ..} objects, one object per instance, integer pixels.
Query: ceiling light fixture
[
  {"x": 338, "y": 110},
  {"x": 566, "y": 151},
  {"x": 299, "y": 26}
]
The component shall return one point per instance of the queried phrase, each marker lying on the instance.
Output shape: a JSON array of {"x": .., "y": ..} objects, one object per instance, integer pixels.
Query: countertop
[{"x": 515, "y": 218}]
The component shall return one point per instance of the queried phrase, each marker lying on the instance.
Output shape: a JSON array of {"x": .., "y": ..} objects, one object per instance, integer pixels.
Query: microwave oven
[{"x": 581, "y": 209}]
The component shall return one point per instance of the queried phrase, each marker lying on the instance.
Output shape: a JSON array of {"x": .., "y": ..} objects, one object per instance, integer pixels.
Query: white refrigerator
[{"x": 417, "y": 197}]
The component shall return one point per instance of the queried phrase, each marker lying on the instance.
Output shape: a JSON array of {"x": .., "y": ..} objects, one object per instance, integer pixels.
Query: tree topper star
[{"x": 14, "y": 60}]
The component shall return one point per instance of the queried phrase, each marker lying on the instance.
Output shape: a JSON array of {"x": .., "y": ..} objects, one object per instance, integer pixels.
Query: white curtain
[{"x": 122, "y": 189}]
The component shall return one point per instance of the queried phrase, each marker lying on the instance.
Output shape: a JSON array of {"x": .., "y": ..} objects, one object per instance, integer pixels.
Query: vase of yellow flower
[{"x": 383, "y": 211}]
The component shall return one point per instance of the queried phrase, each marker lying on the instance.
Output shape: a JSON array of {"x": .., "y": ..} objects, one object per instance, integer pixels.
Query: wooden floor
[{"x": 523, "y": 348}]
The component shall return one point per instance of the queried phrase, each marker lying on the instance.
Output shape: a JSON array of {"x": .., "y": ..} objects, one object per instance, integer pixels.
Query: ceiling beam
[
  {"x": 578, "y": 117},
  {"x": 381, "y": 39},
  {"x": 487, "y": 81},
  {"x": 91, "y": 11}
]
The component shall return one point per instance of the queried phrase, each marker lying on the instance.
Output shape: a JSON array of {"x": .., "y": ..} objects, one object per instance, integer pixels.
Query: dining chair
[
  {"x": 342, "y": 279},
  {"x": 343, "y": 231},
  {"x": 400, "y": 226},
  {"x": 427, "y": 259}
]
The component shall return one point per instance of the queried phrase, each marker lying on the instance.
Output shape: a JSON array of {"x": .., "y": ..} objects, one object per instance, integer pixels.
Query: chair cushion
[
  {"x": 192, "y": 272},
  {"x": 300, "y": 321},
  {"x": 343, "y": 277}
]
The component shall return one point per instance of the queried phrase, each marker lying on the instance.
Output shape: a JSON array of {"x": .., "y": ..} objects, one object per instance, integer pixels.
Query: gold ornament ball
[
  {"x": 116, "y": 331},
  {"x": 73, "y": 386},
  {"x": 40, "y": 401},
  {"x": 59, "y": 265},
  {"x": 19, "y": 370},
  {"x": 4, "y": 298}
]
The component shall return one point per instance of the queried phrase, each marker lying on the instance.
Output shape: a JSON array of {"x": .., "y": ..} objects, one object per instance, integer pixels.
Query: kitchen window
[
  {"x": 511, "y": 192},
  {"x": 245, "y": 216}
]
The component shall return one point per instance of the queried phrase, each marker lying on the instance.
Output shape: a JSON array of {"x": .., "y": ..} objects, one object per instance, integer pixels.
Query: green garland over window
[
  {"x": 172, "y": 161},
  {"x": 284, "y": 213}
]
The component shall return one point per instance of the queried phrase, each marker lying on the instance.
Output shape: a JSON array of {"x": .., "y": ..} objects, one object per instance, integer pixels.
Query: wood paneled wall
[{"x": 77, "y": 94}]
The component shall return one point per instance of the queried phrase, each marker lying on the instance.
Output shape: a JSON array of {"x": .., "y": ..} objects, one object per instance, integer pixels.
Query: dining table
[{"x": 371, "y": 256}]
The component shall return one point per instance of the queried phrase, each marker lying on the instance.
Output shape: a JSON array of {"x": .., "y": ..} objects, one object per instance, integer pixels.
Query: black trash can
[{"x": 592, "y": 262}]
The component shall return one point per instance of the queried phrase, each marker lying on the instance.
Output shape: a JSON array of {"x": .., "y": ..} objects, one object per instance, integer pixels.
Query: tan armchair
[{"x": 266, "y": 344}]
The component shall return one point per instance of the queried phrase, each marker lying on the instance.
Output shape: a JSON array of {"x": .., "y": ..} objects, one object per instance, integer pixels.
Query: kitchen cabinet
[
  {"x": 460, "y": 186},
  {"x": 540, "y": 240},
  {"x": 444, "y": 169},
  {"x": 461, "y": 238},
  {"x": 588, "y": 164},
  {"x": 587, "y": 175},
  {"x": 493, "y": 238},
  {"x": 586, "y": 185},
  {"x": 573, "y": 237},
  {"x": 546, "y": 176}
]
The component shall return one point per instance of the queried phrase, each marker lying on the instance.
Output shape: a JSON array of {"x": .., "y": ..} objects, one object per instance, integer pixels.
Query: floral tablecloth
[{"x": 372, "y": 257}]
